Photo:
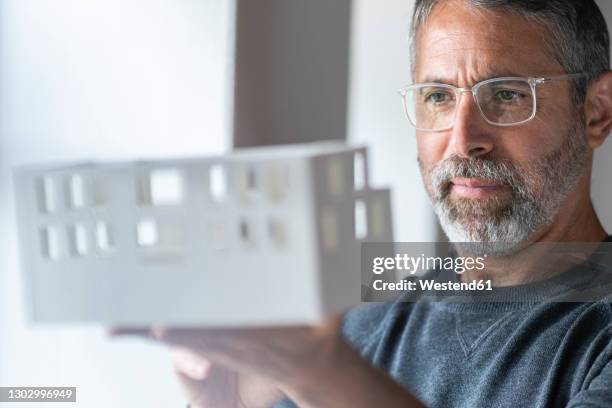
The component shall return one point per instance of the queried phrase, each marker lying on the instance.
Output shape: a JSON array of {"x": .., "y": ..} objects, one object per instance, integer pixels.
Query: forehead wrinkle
[
  {"x": 439, "y": 69},
  {"x": 466, "y": 52}
]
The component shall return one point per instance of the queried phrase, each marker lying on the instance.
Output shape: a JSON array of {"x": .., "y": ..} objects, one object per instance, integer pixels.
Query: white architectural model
[{"x": 260, "y": 236}]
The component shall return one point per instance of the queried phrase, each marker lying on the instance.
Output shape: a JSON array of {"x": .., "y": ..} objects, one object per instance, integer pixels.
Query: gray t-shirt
[{"x": 533, "y": 349}]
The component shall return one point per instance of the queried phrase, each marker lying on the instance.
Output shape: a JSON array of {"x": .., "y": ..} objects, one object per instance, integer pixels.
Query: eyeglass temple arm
[{"x": 561, "y": 77}]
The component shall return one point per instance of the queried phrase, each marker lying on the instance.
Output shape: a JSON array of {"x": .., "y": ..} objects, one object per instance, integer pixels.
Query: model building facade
[{"x": 260, "y": 236}]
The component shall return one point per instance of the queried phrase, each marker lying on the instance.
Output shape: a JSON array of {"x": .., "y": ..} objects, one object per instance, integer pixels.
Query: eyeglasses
[{"x": 507, "y": 101}]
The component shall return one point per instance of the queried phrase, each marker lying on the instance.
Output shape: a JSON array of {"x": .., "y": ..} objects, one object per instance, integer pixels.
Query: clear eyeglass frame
[{"x": 533, "y": 82}]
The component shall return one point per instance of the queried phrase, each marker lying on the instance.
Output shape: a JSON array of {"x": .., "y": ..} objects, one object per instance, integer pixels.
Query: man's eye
[
  {"x": 509, "y": 96},
  {"x": 437, "y": 97}
]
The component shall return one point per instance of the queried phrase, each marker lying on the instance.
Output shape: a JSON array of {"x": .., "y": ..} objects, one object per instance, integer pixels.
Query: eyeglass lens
[{"x": 503, "y": 102}]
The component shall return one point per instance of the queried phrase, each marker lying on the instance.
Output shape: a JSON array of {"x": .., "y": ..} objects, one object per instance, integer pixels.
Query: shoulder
[
  {"x": 368, "y": 322},
  {"x": 365, "y": 317},
  {"x": 595, "y": 383},
  {"x": 599, "y": 311}
]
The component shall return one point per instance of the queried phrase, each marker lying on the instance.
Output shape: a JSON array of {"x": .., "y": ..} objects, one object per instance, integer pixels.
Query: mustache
[{"x": 501, "y": 171}]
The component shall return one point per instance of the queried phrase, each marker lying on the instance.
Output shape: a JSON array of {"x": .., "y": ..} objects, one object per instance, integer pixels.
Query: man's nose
[{"x": 471, "y": 135}]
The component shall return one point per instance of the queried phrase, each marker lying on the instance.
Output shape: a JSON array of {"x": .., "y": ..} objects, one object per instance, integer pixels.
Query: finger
[
  {"x": 334, "y": 321},
  {"x": 190, "y": 364}
]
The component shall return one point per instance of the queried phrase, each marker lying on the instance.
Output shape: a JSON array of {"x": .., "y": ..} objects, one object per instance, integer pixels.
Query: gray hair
[{"x": 579, "y": 39}]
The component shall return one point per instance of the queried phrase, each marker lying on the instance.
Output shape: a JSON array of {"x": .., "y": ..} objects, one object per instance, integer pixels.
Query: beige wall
[{"x": 292, "y": 64}]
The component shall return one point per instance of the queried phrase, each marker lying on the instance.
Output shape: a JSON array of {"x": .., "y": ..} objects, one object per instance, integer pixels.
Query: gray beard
[{"x": 498, "y": 226}]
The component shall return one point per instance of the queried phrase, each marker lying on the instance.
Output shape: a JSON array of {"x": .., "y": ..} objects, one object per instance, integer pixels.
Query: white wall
[
  {"x": 379, "y": 67},
  {"x": 102, "y": 79}
]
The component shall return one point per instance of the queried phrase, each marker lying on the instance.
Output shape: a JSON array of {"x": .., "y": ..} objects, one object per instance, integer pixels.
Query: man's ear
[{"x": 598, "y": 110}]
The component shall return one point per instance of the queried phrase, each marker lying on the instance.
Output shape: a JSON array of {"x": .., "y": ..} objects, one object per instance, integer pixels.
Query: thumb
[
  {"x": 190, "y": 364},
  {"x": 333, "y": 322}
]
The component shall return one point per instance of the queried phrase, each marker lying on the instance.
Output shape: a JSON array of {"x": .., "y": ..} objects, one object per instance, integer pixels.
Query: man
[{"x": 506, "y": 163}]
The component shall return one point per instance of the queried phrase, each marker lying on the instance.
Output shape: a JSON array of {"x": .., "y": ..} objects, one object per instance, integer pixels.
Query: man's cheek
[
  {"x": 425, "y": 172},
  {"x": 432, "y": 147},
  {"x": 426, "y": 176}
]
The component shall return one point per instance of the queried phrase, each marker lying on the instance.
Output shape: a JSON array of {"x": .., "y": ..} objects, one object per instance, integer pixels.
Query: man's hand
[
  {"x": 252, "y": 368},
  {"x": 246, "y": 368},
  {"x": 208, "y": 385}
]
